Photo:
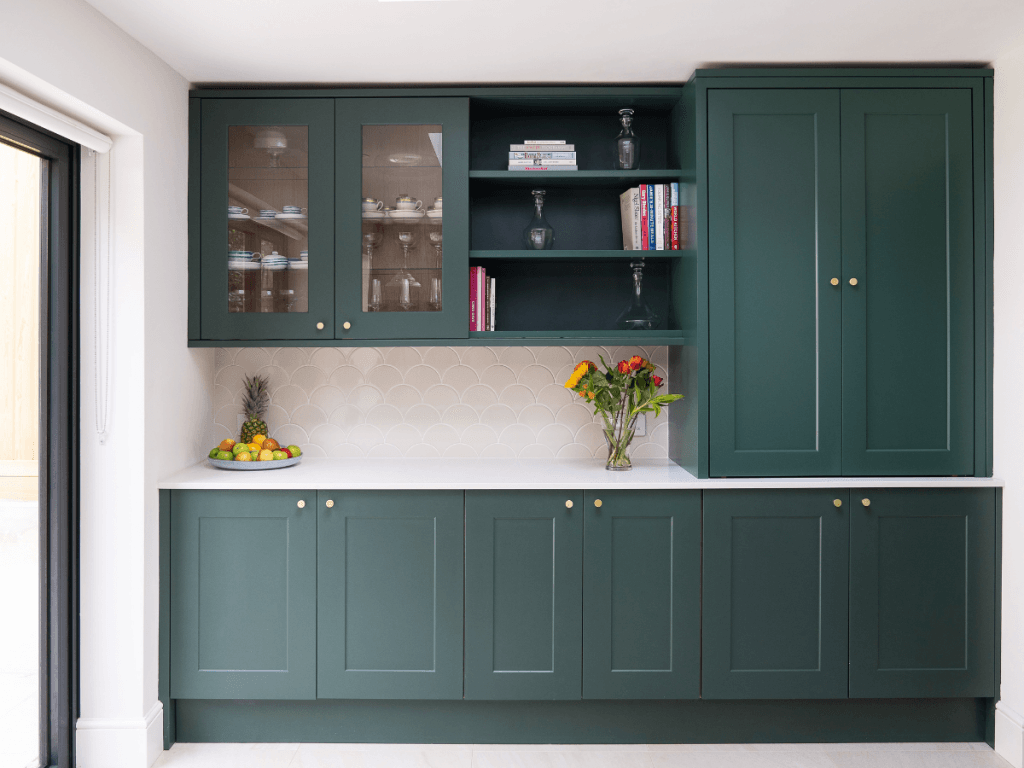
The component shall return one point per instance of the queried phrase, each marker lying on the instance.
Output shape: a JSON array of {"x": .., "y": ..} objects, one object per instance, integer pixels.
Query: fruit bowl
[{"x": 254, "y": 465}]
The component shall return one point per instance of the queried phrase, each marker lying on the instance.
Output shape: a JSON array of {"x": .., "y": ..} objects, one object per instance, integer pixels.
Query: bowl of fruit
[{"x": 262, "y": 453}]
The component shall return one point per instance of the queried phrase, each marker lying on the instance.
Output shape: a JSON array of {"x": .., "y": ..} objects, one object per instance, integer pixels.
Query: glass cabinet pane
[
  {"x": 268, "y": 233},
  {"x": 401, "y": 218}
]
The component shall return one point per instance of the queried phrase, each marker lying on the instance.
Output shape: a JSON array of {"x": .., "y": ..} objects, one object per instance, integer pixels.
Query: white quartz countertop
[{"x": 432, "y": 474}]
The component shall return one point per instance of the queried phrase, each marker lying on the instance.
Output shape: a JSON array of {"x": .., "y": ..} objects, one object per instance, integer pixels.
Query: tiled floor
[{"x": 586, "y": 756}]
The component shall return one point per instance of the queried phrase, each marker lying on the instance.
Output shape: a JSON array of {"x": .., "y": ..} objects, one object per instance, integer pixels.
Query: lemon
[
  {"x": 266, "y": 455},
  {"x": 253, "y": 447},
  {"x": 258, "y": 439},
  {"x": 243, "y": 456}
]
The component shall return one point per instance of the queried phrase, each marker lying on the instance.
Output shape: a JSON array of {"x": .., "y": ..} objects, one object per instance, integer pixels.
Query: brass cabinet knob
[
  {"x": 346, "y": 325},
  {"x": 853, "y": 281},
  {"x": 598, "y": 502},
  {"x": 834, "y": 281},
  {"x": 866, "y": 502},
  {"x": 838, "y": 502},
  {"x": 301, "y": 504},
  {"x": 568, "y": 503},
  {"x": 319, "y": 326},
  {"x": 329, "y": 503}
]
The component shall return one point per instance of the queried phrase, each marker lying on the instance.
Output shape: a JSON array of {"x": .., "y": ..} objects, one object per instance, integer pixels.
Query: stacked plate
[
  {"x": 405, "y": 215},
  {"x": 374, "y": 215},
  {"x": 241, "y": 260},
  {"x": 274, "y": 262}
]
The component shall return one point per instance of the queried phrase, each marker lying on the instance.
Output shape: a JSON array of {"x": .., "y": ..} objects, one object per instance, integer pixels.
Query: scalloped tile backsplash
[{"x": 427, "y": 401}]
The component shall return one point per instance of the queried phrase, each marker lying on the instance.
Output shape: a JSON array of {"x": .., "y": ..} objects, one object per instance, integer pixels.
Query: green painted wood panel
[
  {"x": 641, "y": 594},
  {"x": 922, "y": 593},
  {"x": 773, "y": 248},
  {"x": 452, "y": 321},
  {"x": 217, "y": 116},
  {"x": 775, "y": 594},
  {"x": 389, "y": 597},
  {"x": 524, "y": 595},
  {"x": 243, "y": 595},
  {"x": 908, "y": 323}
]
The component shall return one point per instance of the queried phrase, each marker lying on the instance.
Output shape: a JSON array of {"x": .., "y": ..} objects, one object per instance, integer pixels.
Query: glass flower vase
[{"x": 618, "y": 435}]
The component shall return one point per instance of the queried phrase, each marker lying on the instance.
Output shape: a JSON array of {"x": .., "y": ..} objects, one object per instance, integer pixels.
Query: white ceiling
[{"x": 535, "y": 41}]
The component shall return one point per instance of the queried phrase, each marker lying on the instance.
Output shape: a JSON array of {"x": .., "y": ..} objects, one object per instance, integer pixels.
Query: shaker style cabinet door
[
  {"x": 243, "y": 595},
  {"x": 524, "y": 601},
  {"x": 773, "y": 252},
  {"x": 641, "y": 594},
  {"x": 922, "y": 593},
  {"x": 909, "y": 185},
  {"x": 402, "y": 273},
  {"x": 266, "y": 202},
  {"x": 390, "y": 595},
  {"x": 775, "y": 594}
]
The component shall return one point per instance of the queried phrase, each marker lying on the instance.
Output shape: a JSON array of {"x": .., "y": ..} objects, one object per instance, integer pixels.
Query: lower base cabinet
[
  {"x": 389, "y": 594},
  {"x": 243, "y": 595}
]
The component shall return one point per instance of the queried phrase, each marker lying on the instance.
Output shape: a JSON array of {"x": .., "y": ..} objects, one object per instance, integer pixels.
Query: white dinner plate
[
  {"x": 238, "y": 216},
  {"x": 406, "y": 215},
  {"x": 292, "y": 216},
  {"x": 373, "y": 214}
]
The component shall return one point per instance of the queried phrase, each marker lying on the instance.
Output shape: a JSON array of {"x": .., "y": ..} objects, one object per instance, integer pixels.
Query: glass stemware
[
  {"x": 404, "y": 279},
  {"x": 435, "y": 293},
  {"x": 638, "y": 316},
  {"x": 435, "y": 241},
  {"x": 538, "y": 235},
  {"x": 375, "y": 301}
]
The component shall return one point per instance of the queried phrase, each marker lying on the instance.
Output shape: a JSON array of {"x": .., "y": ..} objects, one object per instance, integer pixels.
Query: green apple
[
  {"x": 294, "y": 450},
  {"x": 214, "y": 452},
  {"x": 224, "y": 456},
  {"x": 237, "y": 448},
  {"x": 279, "y": 455}
]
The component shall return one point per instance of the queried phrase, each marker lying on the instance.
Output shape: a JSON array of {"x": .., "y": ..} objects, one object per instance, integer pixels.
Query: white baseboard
[
  {"x": 1009, "y": 735},
  {"x": 109, "y": 743}
]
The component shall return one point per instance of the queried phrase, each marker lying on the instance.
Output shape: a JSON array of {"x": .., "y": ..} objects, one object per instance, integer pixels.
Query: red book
[
  {"x": 667, "y": 231},
  {"x": 643, "y": 219},
  {"x": 472, "y": 297},
  {"x": 675, "y": 227},
  {"x": 481, "y": 281}
]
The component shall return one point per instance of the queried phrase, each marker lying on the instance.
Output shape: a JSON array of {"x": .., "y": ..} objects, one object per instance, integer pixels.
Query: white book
[
  {"x": 629, "y": 208},
  {"x": 543, "y": 167},
  {"x": 541, "y": 161},
  {"x": 542, "y": 155},
  {"x": 659, "y": 217},
  {"x": 543, "y": 141},
  {"x": 492, "y": 304},
  {"x": 541, "y": 147}
]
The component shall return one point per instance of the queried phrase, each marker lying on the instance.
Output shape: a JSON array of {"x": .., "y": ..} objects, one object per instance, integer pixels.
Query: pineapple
[{"x": 255, "y": 402}]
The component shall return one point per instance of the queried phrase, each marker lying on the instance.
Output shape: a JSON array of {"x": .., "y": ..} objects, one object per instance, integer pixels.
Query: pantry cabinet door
[
  {"x": 773, "y": 311},
  {"x": 390, "y": 595},
  {"x": 922, "y": 593},
  {"x": 641, "y": 594},
  {"x": 524, "y": 594},
  {"x": 775, "y": 594},
  {"x": 266, "y": 201},
  {"x": 243, "y": 595},
  {"x": 909, "y": 186}
]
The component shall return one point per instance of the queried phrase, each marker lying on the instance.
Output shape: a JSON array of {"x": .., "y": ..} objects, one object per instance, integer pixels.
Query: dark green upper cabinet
[
  {"x": 524, "y": 594},
  {"x": 243, "y": 595},
  {"x": 922, "y": 593},
  {"x": 775, "y": 594},
  {"x": 266, "y": 272},
  {"x": 773, "y": 246},
  {"x": 389, "y": 618},
  {"x": 387, "y": 288},
  {"x": 908, "y": 241},
  {"x": 641, "y": 595}
]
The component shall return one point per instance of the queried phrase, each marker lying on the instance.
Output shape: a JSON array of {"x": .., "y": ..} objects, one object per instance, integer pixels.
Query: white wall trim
[
  {"x": 1009, "y": 735},
  {"x": 103, "y": 723},
  {"x": 20, "y": 105},
  {"x": 120, "y": 743}
]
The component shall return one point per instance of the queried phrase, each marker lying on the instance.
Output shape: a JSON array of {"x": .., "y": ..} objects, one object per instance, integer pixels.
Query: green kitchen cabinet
[
  {"x": 845, "y": 257},
  {"x": 922, "y": 593},
  {"x": 259, "y": 156},
  {"x": 243, "y": 595},
  {"x": 524, "y": 594},
  {"x": 774, "y": 611},
  {"x": 909, "y": 185},
  {"x": 774, "y": 352},
  {"x": 641, "y": 594},
  {"x": 389, "y": 597},
  {"x": 388, "y": 148}
]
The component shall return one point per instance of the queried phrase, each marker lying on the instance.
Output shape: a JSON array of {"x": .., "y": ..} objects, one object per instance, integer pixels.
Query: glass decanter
[
  {"x": 627, "y": 146},
  {"x": 638, "y": 316},
  {"x": 538, "y": 235}
]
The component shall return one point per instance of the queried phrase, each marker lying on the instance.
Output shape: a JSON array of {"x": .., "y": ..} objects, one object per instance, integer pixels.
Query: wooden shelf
[
  {"x": 556, "y": 255},
  {"x": 579, "y": 178}
]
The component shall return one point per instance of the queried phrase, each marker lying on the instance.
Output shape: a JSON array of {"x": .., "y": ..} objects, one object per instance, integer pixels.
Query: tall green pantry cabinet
[{"x": 846, "y": 257}]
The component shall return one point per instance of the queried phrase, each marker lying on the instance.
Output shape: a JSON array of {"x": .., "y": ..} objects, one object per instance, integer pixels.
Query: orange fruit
[
  {"x": 271, "y": 444},
  {"x": 266, "y": 455},
  {"x": 253, "y": 446},
  {"x": 227, "y": 444},
  {"x": 258, "y": 439},
  {"x": 243, "y": 456}
]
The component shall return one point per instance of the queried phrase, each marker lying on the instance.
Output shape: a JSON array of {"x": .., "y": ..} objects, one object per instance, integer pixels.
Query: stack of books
[
  {"x": 651, "y": 218},
  {"x": 542, "y": 155},
  {"x": 481, "y": 300}
]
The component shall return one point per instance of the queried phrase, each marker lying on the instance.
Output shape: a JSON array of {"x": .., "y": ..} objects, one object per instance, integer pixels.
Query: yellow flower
[{"x": 578, "y": 373}]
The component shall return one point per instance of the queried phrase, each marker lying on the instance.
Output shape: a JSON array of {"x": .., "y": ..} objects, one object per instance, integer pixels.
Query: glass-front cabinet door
[
  {"x": 402, "y": 238},
  {"x": 267, "y": 232}
]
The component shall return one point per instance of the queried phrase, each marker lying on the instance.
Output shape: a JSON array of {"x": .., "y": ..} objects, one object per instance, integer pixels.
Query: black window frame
[{"x": 58, "y": 452}]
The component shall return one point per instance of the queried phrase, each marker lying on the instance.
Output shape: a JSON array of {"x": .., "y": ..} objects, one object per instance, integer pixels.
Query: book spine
[
  {"x": 643, "y": 218},
  {"x": 685, "y": 218},
  {"x": 494, "y": 285},
  {"x": 651, "y": 242},
  {"x": 542, "y": 155},
  {"x": 487, "y": 304},
  {"x": 636, "y": 218},
  {"x": 659, "y": 217},
  {"x": 543, "y": 141},
  {"x": 542, "y": 161},
  {"x": 472, "y": 298},
  {"x": 626, "y": 218},
  {"x": 541, "y": 147},
  {"x": 667, "y": 228},
  {"x": 543, "y": 168},
  {"x": 481, "y": 297},
  {"x": 674, "y": 202}
]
